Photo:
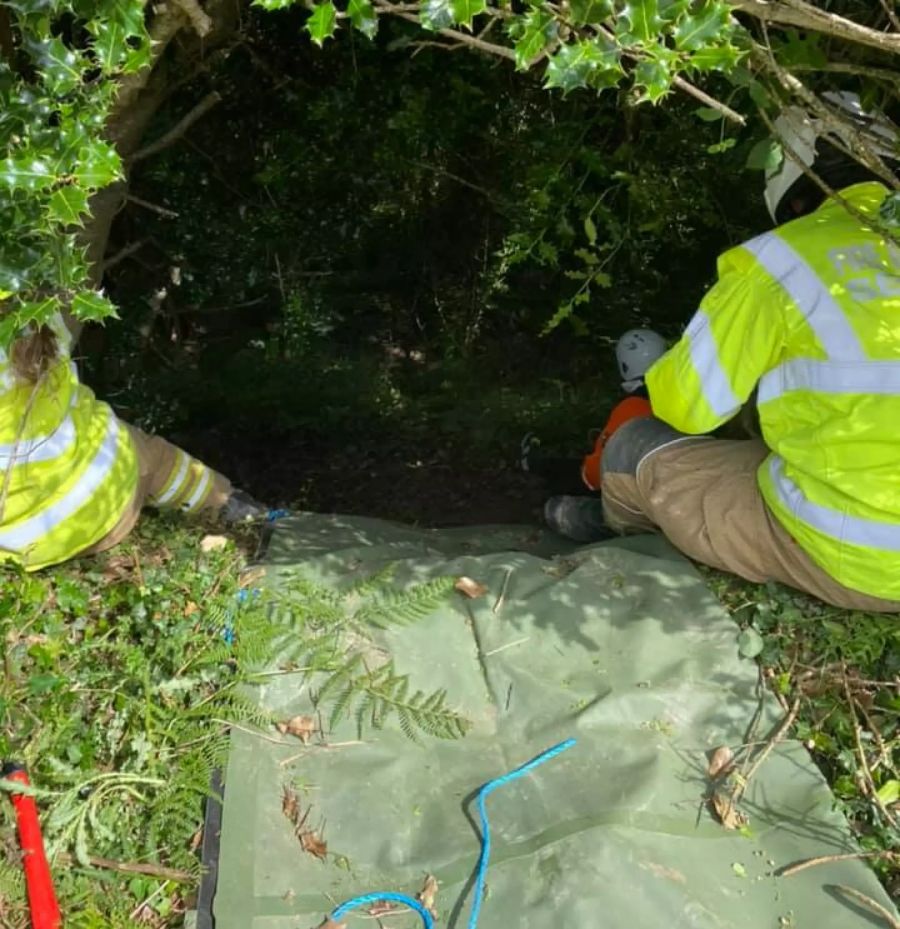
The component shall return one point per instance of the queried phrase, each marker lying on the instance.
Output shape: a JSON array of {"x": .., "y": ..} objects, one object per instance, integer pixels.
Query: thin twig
[
  {"x": 773, "y": 740},
  {"x": 891, "y": 14},
  {"x": 502, "y": 596},
  {"x": 871, "y": 905},
  {"x": 829, "y": 859},
  {"x": 153, "y": 207},
  {"x": 124, "y": 253},
  {"x": 256, "y": 732},
  {"x": 322, "y": 746},
  {"x": 140, "y": 907},
  {"x": 709, "y": 101},
  {"x": 134, "y": 867},
  {"x": 503, "y": 648},
  {"x": 179, "y": 129},
  {"x": 863, "y": 759}
]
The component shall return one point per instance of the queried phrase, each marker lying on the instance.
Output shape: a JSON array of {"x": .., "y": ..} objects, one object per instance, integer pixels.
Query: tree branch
[
  {"x": 891, "y": 14},
  {"x": 179, "y": 129},
  {"x": 799, "y": 13},
  {"x": 709, "y": 101},
  {"x": 198, "y": 17},
  {"x": 124, "y": 253},
  {"x": 147, "y": 205}
]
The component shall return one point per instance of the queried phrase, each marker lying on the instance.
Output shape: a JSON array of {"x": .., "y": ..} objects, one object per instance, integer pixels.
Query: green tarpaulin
[{"x": 618, "y": 645}]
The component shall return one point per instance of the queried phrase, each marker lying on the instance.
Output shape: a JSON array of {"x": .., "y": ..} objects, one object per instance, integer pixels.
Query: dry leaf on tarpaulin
[
  {"x": 472, "y": 589},
  {"x": 426, "y": 896},
  {"x": 213, "y": 543},
  {"x": 303, "y": 727},
  {"x": 727, "y": 812},
  {"x": 721, "y": 761}
]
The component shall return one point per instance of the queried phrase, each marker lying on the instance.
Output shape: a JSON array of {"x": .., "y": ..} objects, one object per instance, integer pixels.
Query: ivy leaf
[
  {"x": 580, "y": 64},
  {"x": 363, "y": 17},
  {"x": 90, "y": 304},
  {"x": 59, "y": 65},
  {"x": 750, "y": 643},
  {"x": 654, "y": 77},
  {"x": 642, "y": 19},
  {"x": 98, "y": 165},
  {"x": 583, "y": 12},
  {"x": 464, "y": 11},
  {"x": 540, "y": 28},
  {"x": 322, "y": 23},
  {"x": 68, "y": 205},
  {"x": 436, "y": 14},
  {"x": 27, "y": 171},
  {"x": 707, "y": 114},
  {"x": 110, "y": 44},
  {"x": 710, "y": 22},
  {"x": 766, "y": 155}
]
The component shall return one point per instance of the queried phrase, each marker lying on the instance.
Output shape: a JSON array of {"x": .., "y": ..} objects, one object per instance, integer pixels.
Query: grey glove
[{"x": 240, "y": 507}]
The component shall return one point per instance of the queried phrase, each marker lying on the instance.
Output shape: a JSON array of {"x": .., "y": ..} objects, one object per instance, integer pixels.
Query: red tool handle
[{"x": 41, "y": 896}]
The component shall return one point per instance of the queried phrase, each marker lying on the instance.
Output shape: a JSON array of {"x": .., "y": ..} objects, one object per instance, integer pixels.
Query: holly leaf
[
  {"x": 580, "y": 64},
  {"x": 715, "y": 58},
  {"x": 68, "y": 205},
  {"x": 90, "y": 304},
  {"x": 540, "y": 28},
  {"x": 322, "y": 23},
  {"x": 654, "y": 77},
  {"x": 110, "y": 44},
  {"x": 98, "y": 165},
  {"x": 766, "y": 155},
  {"x": 670, "y": 10},
  {"x": 58, "y": 64},
  {"x": 640, "y": 21},
  {"x": 583, "y": 12},
  {"x": 436, "y": 14},
  {"x": 464, "y": 11},
  {"x": 363, "y": 17},
  {"x": 27, "y": 171},
  {"x": 709, "y": 23}
]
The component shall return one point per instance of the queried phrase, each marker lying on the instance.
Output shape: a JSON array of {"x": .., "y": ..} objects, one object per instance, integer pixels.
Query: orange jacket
[{"x": 628, "y": 409}]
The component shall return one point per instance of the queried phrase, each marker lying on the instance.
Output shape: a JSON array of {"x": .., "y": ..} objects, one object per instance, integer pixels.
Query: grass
[{"x": 116, "y": 674}]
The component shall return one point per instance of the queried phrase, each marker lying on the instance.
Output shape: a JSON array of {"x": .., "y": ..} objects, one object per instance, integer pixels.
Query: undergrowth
[
  {"x": 844, "y": 666},
  {"x": 121, "y": 675}
]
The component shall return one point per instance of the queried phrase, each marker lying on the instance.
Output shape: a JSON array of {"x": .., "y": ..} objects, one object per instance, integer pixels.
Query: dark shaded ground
[{"x": 387, "y": 480}]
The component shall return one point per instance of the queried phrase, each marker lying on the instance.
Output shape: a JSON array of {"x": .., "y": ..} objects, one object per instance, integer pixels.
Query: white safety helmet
[
  {"x": 800, "y": 132},
  {"x": 636, "y": 351}
]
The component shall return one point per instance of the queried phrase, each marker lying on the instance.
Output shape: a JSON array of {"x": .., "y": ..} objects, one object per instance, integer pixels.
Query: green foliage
[
  {"x": 322, "y": 23},
  {"x": 55, "y": 97}
]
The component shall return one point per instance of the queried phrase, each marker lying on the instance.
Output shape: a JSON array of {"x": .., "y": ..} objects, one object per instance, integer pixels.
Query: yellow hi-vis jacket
[
  {"x": 810, "y": 312},
  {"x": 68, "y": 468}
]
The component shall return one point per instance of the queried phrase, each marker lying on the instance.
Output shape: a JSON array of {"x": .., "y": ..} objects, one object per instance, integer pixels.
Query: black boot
[
  {"x": 577, "y": 518},
  {"x": 240, "y": 507}
]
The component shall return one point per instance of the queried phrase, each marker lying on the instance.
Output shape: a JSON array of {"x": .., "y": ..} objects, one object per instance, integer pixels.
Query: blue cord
[
  {"x": 272, "y": 515},
  {"x": 483, "y": 794},
  {"x": 366, "y": 899}
]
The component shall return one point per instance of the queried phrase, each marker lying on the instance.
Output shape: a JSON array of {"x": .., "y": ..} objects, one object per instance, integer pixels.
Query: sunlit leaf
[
  {"x": 363, "y": 17},
  {"x": 709, "y": 22},
  {"x": 436, "y": 14},
  {"x": 92, "y": 305},
  {"x": 464, "y": 11},
  {"x": 322, "y": 23},
  {"x": 766, "y": 155},
  {"x": 540, "y": 28},
  {"x": 578, "y": 65},
  {"x": 640, "y": 21},
  {"x": 68, "y": 205},
  {"x": 98, "y": 165},
  {"x": 583, "y": 12}
]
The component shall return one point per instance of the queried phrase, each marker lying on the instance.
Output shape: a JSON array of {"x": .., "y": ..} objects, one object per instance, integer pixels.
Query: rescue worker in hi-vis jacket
[
  {"x": 73, "y": 477},
  {"x": 809, "y": 315}
]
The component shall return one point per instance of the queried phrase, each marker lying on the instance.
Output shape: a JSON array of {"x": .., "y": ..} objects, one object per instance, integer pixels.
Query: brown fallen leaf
[
  {"x": 727, "y": 812},
  {"x": 190, "y": 609},
  {"x": 472, "y": 589},
  {"x": 314, "y": 844},
  {"x": 382, "y": 908},
  {"x": 426, "y": 896},
  {"x": 290, "y": 804},
  {"x": 213, "y": 543},
  {"x": 721, "y": 761},
  {"x": 303, "y": 727}
]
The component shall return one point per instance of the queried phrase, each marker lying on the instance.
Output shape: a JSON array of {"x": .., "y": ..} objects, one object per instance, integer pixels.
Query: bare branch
[
  {"x": 798, "y": 13},
  {"x": 709, "y": 101},
  {"x": 124, "y": 253},
  {"x": 179, "y": 129},
  {"x": 868, "y": 903},
  {"x": 198, "y": 18},
  {"x": 891, "y": 14},
  {"x": 154, "y": 208},
  {"x": 831, "y": 859}
]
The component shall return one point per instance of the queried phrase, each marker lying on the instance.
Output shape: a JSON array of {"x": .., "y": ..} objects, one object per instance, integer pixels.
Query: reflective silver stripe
[
  {"x": 829, "y": 377},
  {"x": 177, "y": 482},
  {"x": 200, "y": 492},
  {"x": 705, "y": 357},
  {"x": 42, "y": 448},
  {"x": 842, "y": 527},
  {"x": 810, "y": 293},
  {"x": 29, "y": 531}
]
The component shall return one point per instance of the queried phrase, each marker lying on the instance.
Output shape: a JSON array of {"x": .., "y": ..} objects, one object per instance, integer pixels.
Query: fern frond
[{"x": 398, "y": 608}]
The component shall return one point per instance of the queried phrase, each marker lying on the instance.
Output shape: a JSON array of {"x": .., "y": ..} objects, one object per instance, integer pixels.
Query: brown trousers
[
  {"x": 158, "y": 461},
  {"x": 702, "y": 494}
]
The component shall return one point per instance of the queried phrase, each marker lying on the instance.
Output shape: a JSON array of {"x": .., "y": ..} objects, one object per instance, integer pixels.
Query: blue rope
[
  {"x": 483, "y": 794},
  {"x": 367, "y": 899},
  {"x": 272, "y": 515}
]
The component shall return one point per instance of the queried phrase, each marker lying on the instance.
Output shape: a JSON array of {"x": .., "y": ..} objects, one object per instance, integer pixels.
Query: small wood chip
[
  {"x": 426, "y": 896},
  {"x": 471, "y": 589},
  {"x": 213, "y": 543}
]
